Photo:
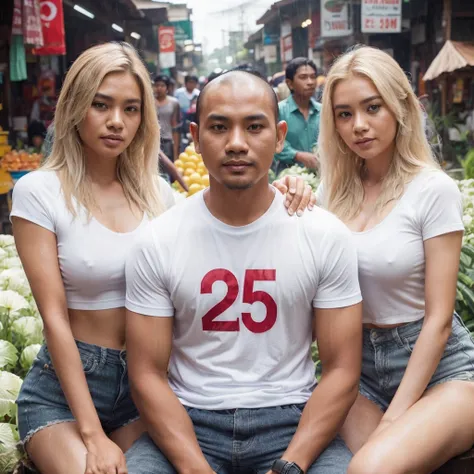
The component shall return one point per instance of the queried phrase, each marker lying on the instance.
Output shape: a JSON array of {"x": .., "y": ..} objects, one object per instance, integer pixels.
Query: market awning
[{"x": 453, "y": 55}]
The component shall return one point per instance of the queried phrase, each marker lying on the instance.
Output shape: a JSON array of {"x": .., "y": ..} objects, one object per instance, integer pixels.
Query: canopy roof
[{"x": 453, "y": 55}]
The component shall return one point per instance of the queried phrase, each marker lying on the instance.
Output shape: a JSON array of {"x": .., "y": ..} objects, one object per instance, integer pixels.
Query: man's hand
[{"x": 308, "y": 160}]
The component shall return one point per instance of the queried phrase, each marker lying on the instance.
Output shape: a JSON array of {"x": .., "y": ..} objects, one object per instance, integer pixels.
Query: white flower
[
  {"x": 467, "y": 220},
  {"x": 6, "y": 240},
  {"x": 28, "y": 329},
  {"x": 15, "y": 279},
  {"x": 11, "y": 262},
  {"x": 10, "y": 385},
  {"x": 12, "y": 302}
]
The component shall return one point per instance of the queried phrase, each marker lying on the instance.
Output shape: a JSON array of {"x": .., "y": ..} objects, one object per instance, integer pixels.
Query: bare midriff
[{"x": 105, "y": 328}]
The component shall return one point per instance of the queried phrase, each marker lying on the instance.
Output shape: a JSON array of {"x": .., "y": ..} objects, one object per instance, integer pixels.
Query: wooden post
[
  {"x": 447, "y": 16},
  {"x": 444, "y": 94},
  {"x": 447, "y": 21}
]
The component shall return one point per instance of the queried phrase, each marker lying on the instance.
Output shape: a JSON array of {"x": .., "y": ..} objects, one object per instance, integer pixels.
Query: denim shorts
[
  {"x": 243, "y": 440},
  {"x": 386, "y": 353},
  {"x": 41, "y": 402}
]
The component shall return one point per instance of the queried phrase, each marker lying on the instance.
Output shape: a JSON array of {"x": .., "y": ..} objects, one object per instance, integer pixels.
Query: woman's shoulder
[
  {"x": 39, "y": 180},
  {"x": 434, "y": 181}
]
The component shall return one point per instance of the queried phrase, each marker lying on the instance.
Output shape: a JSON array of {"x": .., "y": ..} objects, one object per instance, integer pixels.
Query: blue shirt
[
  {"x": 185, "y": 98},
  {"x": 302, "y": 134}
]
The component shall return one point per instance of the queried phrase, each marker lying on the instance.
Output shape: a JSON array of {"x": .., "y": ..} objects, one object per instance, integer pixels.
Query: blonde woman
[
  {"x": 74, "y": 222},
  {"x": 416, "y": 404}
]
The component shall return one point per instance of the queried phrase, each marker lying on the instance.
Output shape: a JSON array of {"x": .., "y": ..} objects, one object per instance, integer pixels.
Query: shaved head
[{"x": 240, "y": 79}]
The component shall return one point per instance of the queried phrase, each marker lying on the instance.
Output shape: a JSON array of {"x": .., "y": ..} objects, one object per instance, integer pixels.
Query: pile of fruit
[
  {"x": 20, "y": 161},
  {"x": 193, "y": 170}
]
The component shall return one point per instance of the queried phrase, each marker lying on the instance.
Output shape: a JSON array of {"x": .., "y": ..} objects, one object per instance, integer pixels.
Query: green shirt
[{"x": 302, "y": 134}]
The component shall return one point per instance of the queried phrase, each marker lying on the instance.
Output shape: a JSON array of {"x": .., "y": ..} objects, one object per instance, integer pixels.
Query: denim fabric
[
  {"x": 243, "y": 441},
  {"x": 386, "y": 353},
  {"x": 42, "y": 403}
]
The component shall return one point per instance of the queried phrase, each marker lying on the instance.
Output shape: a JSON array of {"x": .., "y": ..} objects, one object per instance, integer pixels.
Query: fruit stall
[
  {"x": 193, "y": 170},
  {"x": 21, "y": 325}
]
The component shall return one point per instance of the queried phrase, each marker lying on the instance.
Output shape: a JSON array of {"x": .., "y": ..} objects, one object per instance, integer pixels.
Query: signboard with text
[
  {"x": 335, "y": 18},
  {"x": 286, "y": 42},
  {"x": 167, "y": 46},
  {"x": 183, "y": 31},
  {"x": 381, "y": 16}
]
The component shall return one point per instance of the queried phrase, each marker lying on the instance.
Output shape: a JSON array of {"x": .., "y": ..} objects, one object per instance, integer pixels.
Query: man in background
[
  {"x": 167, "y": 108},
  {"x": 301, "y": 112},
  {"x": 187, "y": 94}
]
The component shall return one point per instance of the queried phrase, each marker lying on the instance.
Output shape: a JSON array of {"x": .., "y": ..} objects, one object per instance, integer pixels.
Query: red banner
[
  {"x": 166, "y": 39},
  {"x": 32, "y": 32},
  {"x": 52, "y": 21},
  {"x": 17, "y": 26}
]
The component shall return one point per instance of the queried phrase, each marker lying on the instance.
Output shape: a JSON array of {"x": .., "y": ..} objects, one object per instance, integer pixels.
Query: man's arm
[
  {"x": 288, "y": 153},
  {"x": 149, "y": 341},
  {"x": 339, "y": 335},
  {"x": 337, "y": 323},
  {"x": 176, "y": 134}
]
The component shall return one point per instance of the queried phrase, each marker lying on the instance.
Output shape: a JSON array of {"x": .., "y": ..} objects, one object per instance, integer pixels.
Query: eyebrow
[
  {"x": 369, "y": 99},
  {"x": 223, "y": 118},
  {"x": 99, "y": 95}
]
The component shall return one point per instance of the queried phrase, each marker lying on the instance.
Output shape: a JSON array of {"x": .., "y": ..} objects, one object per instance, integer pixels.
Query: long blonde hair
[
  {"x": 137, "y": 166},
  {"x": 341, "y": 167}
]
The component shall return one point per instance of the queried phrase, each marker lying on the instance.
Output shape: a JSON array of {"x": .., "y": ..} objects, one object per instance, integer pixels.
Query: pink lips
[
  {"x": 112, "y": 141},
  {"x": 364, "y": 143}
]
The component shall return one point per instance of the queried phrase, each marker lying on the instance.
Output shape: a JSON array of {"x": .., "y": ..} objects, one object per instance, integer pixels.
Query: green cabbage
[
  {"x": 28, "y": 330},
  {"x": 8, "y": 355},
  {"x": 28, "y": 355},
  {"x": 10, "y": 385},
  {"x": 9, "y": 454}
]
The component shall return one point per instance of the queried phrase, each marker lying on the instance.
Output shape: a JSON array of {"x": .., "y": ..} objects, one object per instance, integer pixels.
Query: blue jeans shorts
[
  {"x": 243, "y": 441},
  {"x": 386, "y": 353},
  {"x": 41, "y": 402}
]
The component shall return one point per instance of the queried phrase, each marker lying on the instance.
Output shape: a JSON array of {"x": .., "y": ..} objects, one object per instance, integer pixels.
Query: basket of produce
[{"x": 19, "y": 163}]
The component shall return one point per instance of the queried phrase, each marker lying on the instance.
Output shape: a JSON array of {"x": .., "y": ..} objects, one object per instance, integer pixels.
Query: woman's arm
[
  {"x": 299, "y": 195},
  {"x": 442, "y": 256},
  {"x": 37, "y": 248}
]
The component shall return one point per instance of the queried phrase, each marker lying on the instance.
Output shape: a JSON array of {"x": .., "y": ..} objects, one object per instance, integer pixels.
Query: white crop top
[
  {"x": 91, "y": 256},
  {"x": 391, "y": 255}
]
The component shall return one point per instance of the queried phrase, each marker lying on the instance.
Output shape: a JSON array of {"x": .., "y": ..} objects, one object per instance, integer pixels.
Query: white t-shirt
[
  {"x": 91, "y": 256},
  {"x": 242, "y": 299},
  {"x": 391, "y": 255}
]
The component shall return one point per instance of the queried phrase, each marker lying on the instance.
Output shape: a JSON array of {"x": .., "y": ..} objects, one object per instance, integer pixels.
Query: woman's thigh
[
  {"x": 361, "y": 422},
  {"x": 125, "y": 436},
  {"x": 58, "y": 449},
  {"x": 438, "y": 427}
]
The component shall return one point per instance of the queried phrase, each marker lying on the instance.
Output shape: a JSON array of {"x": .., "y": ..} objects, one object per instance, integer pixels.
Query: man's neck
[
  {"x": 301, "y": 102},
  {"x": 239, "y": 207}
]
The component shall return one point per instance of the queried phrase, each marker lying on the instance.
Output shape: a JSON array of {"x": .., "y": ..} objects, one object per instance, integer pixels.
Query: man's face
[
  {"x": 304, "y": 82},
  {"x": 191, "y": 85},
  {"x": 238, "y": 135},
  {"x": 160, "y": 89}
]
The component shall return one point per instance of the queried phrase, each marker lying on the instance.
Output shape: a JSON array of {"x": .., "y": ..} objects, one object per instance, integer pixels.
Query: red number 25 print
[{"x": 249, "y": 296}]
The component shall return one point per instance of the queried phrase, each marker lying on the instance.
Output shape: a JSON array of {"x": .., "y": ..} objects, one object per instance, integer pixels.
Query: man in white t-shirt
[{"x": 223, "y": 293}]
